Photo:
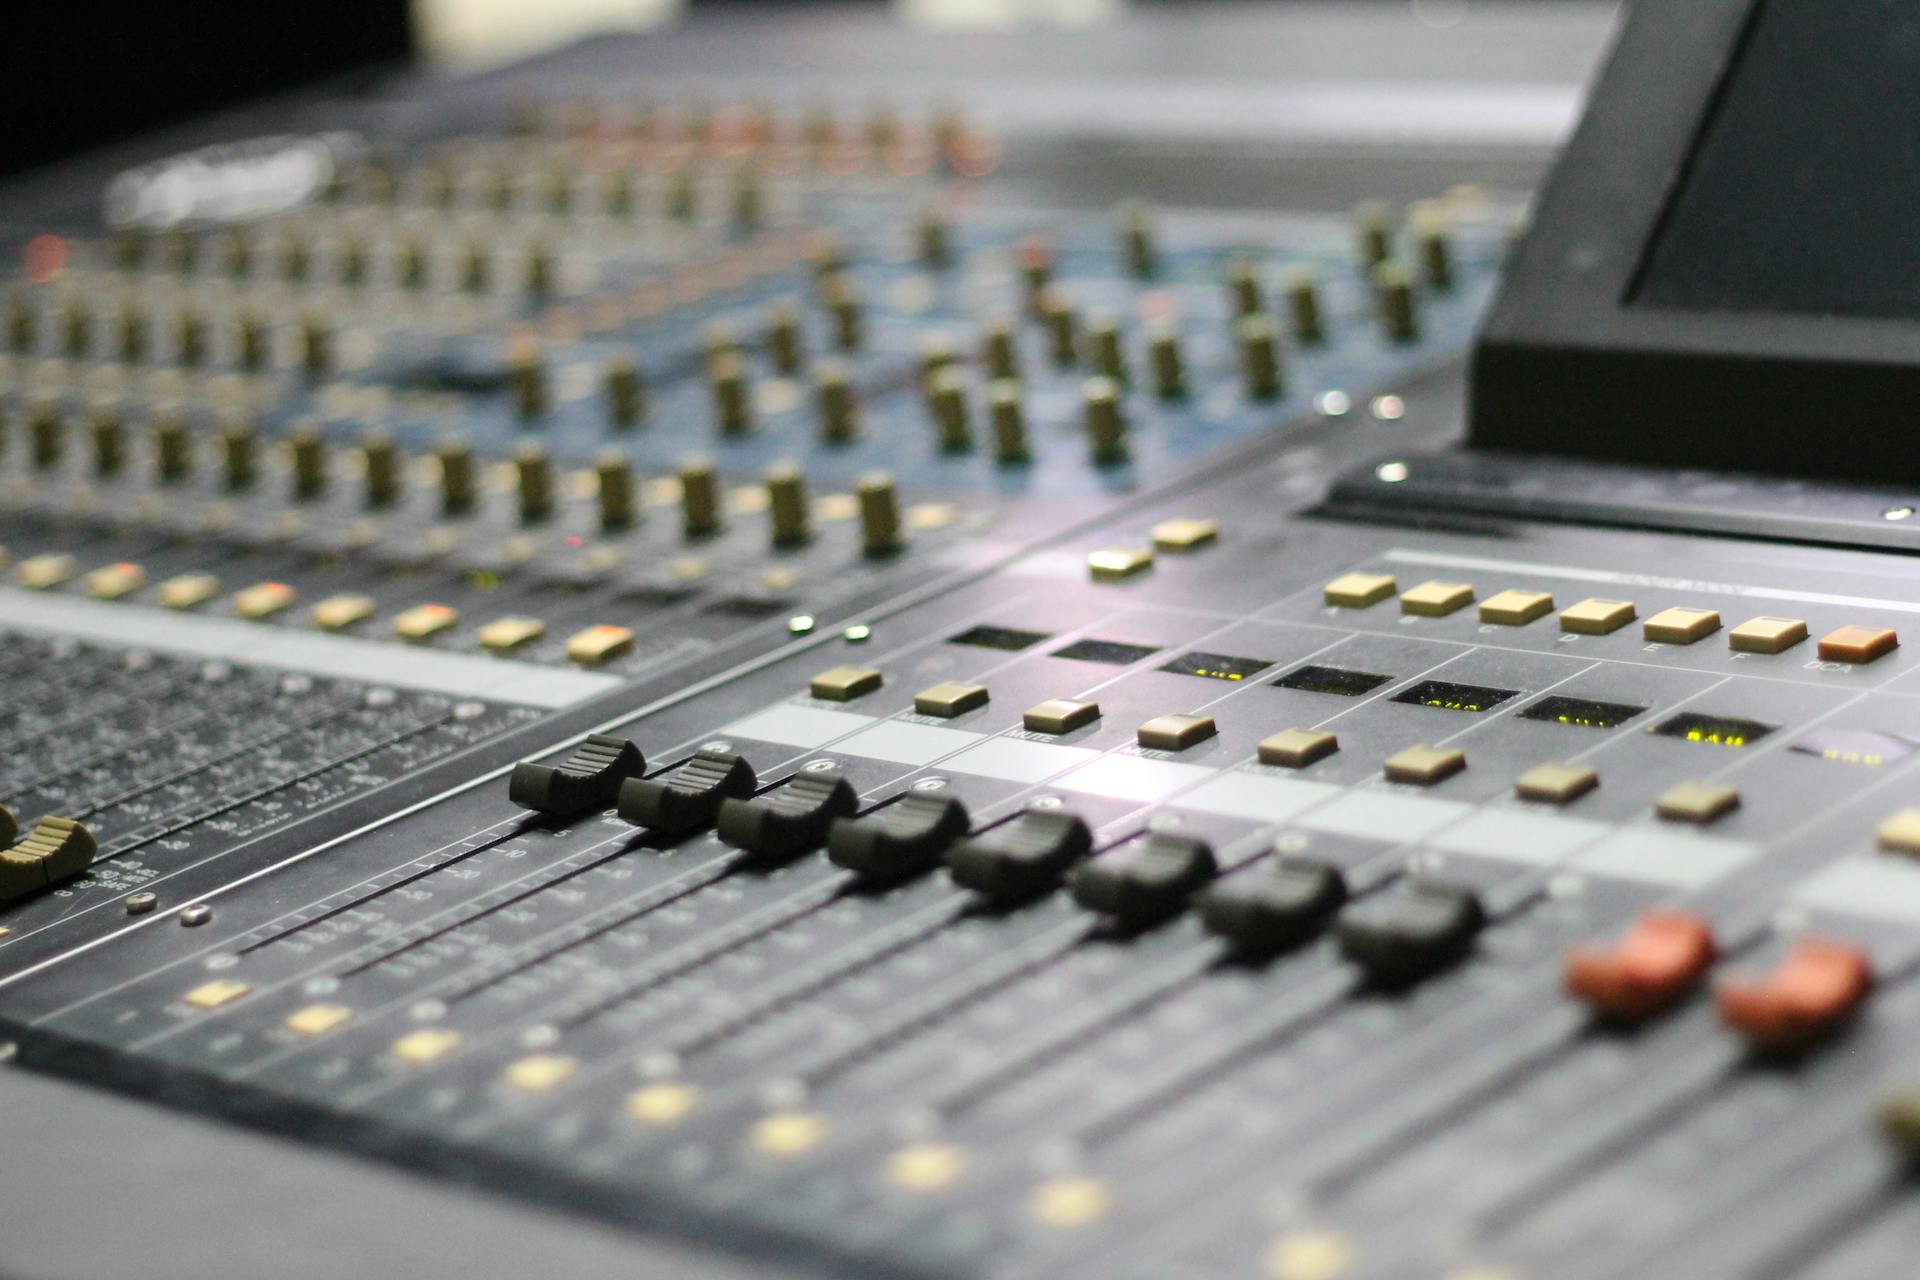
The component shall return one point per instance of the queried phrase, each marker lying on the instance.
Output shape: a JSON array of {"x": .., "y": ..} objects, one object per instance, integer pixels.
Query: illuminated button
[
  {"x": 1309, "y": 1255},
  {"x": 337, "y": 613},
  {"x": 1424, "y": 766},
  {"x": 1060, "y": 715},
  {"x": 1816, "y": 988},
  {"x": 1184, "y": 534},
  {"x": 1901, "y": 832},
  {"x": 843, "y": 684},
  {"x": 263, "y": 600},
  {"x": 1176, "y": 732},
  {"x": 1359, "y": 590},
  {"x": 1118, "y": 563},
  {"x": 1854, "y": 644},
  {"x": 1681, "y": 625},
  {"x": 539, "y": 1072},
  {"x": 211, "y": 995},
  {"x": 1069, "y": 1202},
  {"x": 1556, "y": 783},
  {"x": 1516, "y": 608},
  {"x": 925, "y": 1167},
  {"x": 43, "y": 573},
  {"x": 599, "y": 644},
  {"x": 1696, "y": 802},
  {"x": 790, "y": 1133},
  {"x": 428, "y": 1044},
  {"x": 318, "y": 1019},
  {"x": 424, "y": 621},
  {"x": 112, "y": 581},
  {"x": 950, "y": 699},
  {"x": 1297, "y": 748},
  {"x": 1662, "y": 957},
  {"x": 1767, "y": 635},
  {"x": 188, "y": 590},
  {"x": 663, "y": 1103},
  {"x": 1436, "y": 599},
  {"x": 503, "y": 635},
  {"x": 1597, "y": 617}
]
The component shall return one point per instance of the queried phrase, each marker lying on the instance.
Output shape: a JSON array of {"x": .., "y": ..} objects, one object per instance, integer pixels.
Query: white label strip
[{"x": 312, "y": 652}]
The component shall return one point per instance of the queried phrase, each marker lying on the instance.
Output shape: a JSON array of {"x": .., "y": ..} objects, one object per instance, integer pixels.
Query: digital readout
[
  {"x": 1855, "y": 746},
  {"x": 1334, "y": 680},
  {"x": 1584, "y": 713},
  {"x": 1114, "y": 653},
  {"x": 1454, "y": 697},
  {"x": 1216, "y": 666},
  {"x": 991, "y": 637},
  {"x": 1718, "y": 731}
]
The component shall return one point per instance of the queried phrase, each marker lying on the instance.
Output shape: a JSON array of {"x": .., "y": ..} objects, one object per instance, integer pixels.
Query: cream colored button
[
  {"x": 790, "y": 1133},
  {"x": 1597, "y": 617},
  {"x": 1436, "y": 599},
  {"x": 428, "y": 1044},
  {"x": 1424, "y": 766},
  {"x": 318, "y": 1019},
  {"x": 43, "y": 573},
  {"x": 189, "y": 590},
  {"x": 211, "y": 995},
  {"x": 1767, "y": 635},
  {"x": 662, "y": 1103},
  {"x": 1516, "y": 608},
  {"x": 1901, "y": 832},
  {"x": 112, "y": 581},
  {"x": 1184, "y": 534},
  {"x": 539, "y": 1072},
  {"x": 1681, "y": 625},
  {"x": 263, "y": 600},
  {"x": 1176, "y": 733},
  {"x": 1359, "y": 590},
  {"x": 598, "y": 644},
  {"x": 503, "y": 635},
  {"x": 927, "y": 1166},
  {"x": 1118, "y": 563},
  {"x": 1556, "y": 783},
  {"x": 337, "y": 613},
  {"x": 425, "y": 621},
  {"x": 1069, "y": 1202},
  {"x": 843, "y": 684},
  {"x": 950, "y": 699},
  {"x": 1297, "y": 748},
  {"x": 1696, "y": 802},
  {"x": 1060, "y": 715},
  {"x": 1854, "y": 644}
]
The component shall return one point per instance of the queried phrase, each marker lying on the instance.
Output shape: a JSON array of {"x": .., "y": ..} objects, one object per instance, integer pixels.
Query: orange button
[
  {"x": 1857, "y": 644},
  {"x": 1813, "y": 990},
  {"x": 1659, "y": 960}
]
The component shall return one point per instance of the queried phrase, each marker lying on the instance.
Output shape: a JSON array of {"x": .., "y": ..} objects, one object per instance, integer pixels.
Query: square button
[
  {"x": 1767, "y": 635},
  {"x": 1060, "y": 715},
  {"x": 1681, "y": 625},
  {"x": 1424, "y": 766},
  {"x": 428, "y": 1044},
  {"x": 1436, "y": 599},
  {"x": 1360, "y": 590},
  {"x": 263, "y": 600},
  {"x": 1297, "y": 748},
  {"x": 1116, "y": 564},
  {"x": 337, "y": 613},
  {"x": 1184, "y": 534},
  {"x": 539, "y": 1072},
  {"x": 1901, "y": 832},
  {"x": 503, "y": 635},
  {"x": 1857, "y": 644},
  {"x": 211, "y": 995},
  {"x": 598, "y": 644},
  {"x": 1556, "y": 783},
  {"x": 844, "y": 684},
  {"x": 1696, "y": 802},
  {"x": 112, "y": 581},
  {"x": 1176, "y": 733},
  {"x": 1516, "y": 608},
  {"x": 1597, "y": 617},
  {"x": 318, "y": 1019},
  {"x": 188, "y": 590},
  {"x": 425, "y": 621},
  {"x": 950, "y": 699},
  {"x": 43, "y": 573}
]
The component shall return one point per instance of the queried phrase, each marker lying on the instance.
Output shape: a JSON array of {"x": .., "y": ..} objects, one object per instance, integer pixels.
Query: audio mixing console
[{"x": 704, "y": 666}]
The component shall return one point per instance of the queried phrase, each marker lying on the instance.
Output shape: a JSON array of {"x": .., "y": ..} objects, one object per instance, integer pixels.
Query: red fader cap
[
  {"x": 1660, "y": 959},
  {"x": 1808, "y": 995}
]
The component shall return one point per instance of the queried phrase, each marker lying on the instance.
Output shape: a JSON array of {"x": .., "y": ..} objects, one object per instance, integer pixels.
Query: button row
[{"x": 1595, "y": 616}]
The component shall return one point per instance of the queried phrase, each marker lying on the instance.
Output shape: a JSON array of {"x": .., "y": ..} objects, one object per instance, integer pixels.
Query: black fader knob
[
  {"x": 1021, "y": 859},
  {"x": 688, "y": 799},
  {"x": 1405, "y": 937},
  {"x": 787, "y": 820},
  {"x": 1270, "y": 910},
  {"x": 1146, "y": 882},
  {"x": 587, "y": 780},
  {"x": 903, "y": 840}
]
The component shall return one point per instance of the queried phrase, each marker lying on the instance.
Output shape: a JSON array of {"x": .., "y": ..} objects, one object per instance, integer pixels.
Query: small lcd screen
[
  {"x": 1855, "y": 746},
  {"x": 1583, "y": 712},
  {"x": 1114, "y": 653},
  {"x": 1454, "y": 697},
  {"x": 989, "y": 637},
  {"x": 1718, "y": 731},
  {"x": 1334, "y": 680},
  {"x": 1216, "y": 666}
]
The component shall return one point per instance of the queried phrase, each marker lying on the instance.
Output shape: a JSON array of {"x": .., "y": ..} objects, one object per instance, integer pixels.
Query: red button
[
  {"x": 1814, "y": 989},
  {"x": 1659, "y": 960}
]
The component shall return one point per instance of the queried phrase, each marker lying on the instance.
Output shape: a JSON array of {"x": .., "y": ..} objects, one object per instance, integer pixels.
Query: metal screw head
[
  {"x": 1391, "y": 472},
  {"x": 138, "y": 904},
  {"x": 196, "y": 915},
  {"x": 1897, "y": 513}
]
